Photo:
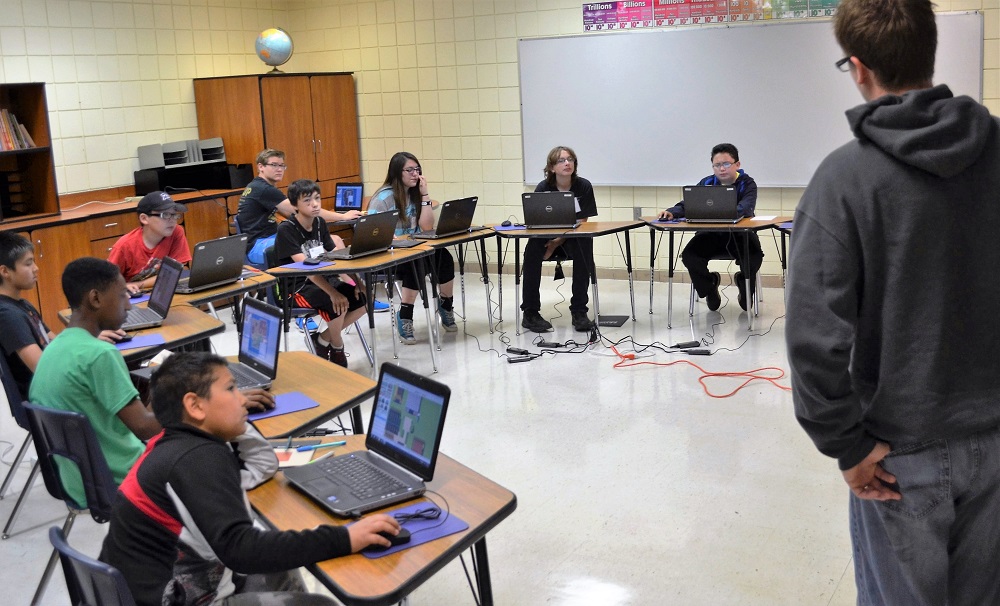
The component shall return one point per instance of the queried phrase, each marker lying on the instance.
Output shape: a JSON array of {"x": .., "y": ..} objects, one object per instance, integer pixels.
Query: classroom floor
[{"x": 633, "y": 485}]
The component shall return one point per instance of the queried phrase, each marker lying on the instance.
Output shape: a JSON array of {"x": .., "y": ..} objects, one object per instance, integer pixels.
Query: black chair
[
  {"x": 14, "y": 399},
  {"x": 69, "y": 437},
  {"x": 90, "y": 582}
]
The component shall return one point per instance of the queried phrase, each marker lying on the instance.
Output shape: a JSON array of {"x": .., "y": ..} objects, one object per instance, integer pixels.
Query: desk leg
[
  {"x": 517, "y": 286},
  {"x": 482, "y": 567},
  {"x": 628, "y": 266},
  {"x": 652, "y": 264},
  {"x": 435, "y": 329},
  {"x": 499, "y": 278},
  {"x": 670, "y": 283},
  {"x": 372, "y": 351},
  {"x": 427, "y": 313},
  {"x": 394, "y": 320},
  {"x": 286, "y": 308},
  {"x": 460, "y": 249},
  {"x": 784, "y": 257},
  {"x": 481, "y": 252},
  {"x": 752, "y": 311}
]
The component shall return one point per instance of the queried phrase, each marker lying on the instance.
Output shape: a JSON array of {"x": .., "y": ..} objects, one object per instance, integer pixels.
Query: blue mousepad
[
  {"x": 787, "y": 225},
  {"x": 301, "y": 265},
  {"x": 507, "y": 228},
  {"x": 285, "y": 403},
  {"x": 140, "y": 299},
  {"x": 141, "y": 341},
  {"x": 421, "y": 531}
]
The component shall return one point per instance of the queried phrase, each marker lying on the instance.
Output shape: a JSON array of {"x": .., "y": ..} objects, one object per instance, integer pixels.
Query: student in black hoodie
[{"x": 892, "y": 316}]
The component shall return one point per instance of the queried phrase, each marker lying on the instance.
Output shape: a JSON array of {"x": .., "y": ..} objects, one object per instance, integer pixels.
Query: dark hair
[
  {"x": 896, "y": 39},
  {"x": 86, "y": 274},
  {"x": 726, "y": 148},
  {"x": 269, "y": 153},
  {"x": 13, "y": 247},
  {"x": 394, "y": 180},
  {"x": 301, "y": 188},
  {"x": 179, "y": 374},
  {"x": 550, "y": 163}
]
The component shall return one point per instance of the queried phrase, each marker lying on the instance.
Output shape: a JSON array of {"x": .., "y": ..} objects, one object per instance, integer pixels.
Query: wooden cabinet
[
  {"x": 313, "y": 118},
  {"x": 205, "y": 220},
  {"x": 27, "y": 176},
  {"x": 55, "y": 247}
]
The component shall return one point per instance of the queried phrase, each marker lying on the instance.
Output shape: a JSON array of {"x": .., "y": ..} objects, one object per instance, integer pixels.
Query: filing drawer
[
  {"x": 112, "y": 225},
  {"x": 102, "y": 248}
]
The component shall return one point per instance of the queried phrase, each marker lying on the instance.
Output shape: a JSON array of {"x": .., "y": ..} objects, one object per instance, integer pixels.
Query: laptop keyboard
[
  {"x": 363, "y": 479},
  {"x": 243, "y": 376},
  {"x": 141, "y": 315}
]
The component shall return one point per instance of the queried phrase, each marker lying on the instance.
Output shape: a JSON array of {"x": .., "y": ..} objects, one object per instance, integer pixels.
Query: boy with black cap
[{"x": 139, "y": 252}]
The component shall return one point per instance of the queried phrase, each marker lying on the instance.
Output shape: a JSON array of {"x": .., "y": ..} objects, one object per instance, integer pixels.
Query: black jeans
[
  {"x": 708, "y": 245},
  {"x": 443, "y": 262},
  {"x": 580, "y": 250}
]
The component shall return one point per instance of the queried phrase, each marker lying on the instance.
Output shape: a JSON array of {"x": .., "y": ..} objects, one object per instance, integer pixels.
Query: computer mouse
[
  {"x": 399, "y": 539},
  {"x": 135, "y": 295},
  {"x": 125, "y": 339},
  {"x": 505, "y": 224}
]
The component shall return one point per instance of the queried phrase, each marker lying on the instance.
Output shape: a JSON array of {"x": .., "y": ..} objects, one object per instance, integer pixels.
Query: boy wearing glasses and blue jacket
[{"x": 138, "y": 253}]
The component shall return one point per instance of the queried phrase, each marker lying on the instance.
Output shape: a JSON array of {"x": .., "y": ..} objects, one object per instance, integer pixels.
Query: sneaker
[
  {"x": 405, "y": 328},
  {"x": 338, "y": 356},
  {"x": 581, "y": 323},
  {"x": 742, "y": 286},
  {"x": 714, "y": 299},
  {"x": 380, "y": 307},
  {"x": 534, "y": 322},
  {"x": 447, "y": 319},
  {"x": 322, "y": 351},
  {"x": 307, "y": 324}
]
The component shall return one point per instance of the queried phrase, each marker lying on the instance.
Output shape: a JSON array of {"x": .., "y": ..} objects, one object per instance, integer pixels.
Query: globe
[{"x": 274, "y": 47}]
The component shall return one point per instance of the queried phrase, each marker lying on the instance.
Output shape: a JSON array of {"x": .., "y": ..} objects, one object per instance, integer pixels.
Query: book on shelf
[{"x": 13, "y": 134}]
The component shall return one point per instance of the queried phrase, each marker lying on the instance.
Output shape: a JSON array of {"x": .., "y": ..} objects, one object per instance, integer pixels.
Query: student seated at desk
[
  {"x": 560, "y": 175},
  {"x": 262, "y": 200},
  {"x": 708, "y": 244},
  {"x": 138, "y": 253},
  {"x": 183, "y": 508},
  {"x": 303, "y": 236},
  {"x": 405, "y": 190}
]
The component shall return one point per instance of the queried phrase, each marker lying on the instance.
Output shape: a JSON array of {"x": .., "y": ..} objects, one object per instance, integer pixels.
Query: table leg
[
  {"x": 670, "y": 283},
  {"x": 370, "y": 308},
  {"x": 784, "y": 257},
  {"x": 286, "y": 308},
  {"x": 460, "y": 249},
  {"x": 628, "y": 266},
  {"x": 394, "y": 321},
  {"x": 499, "y": 278},
  {"x": 483, "y": 573},
  {"x": 652, "y": 264},
  {"x": 481, "y": 252},
  {"x": 517, "y": 287},
  {"x": 422, "y": 284},
  {"x": 752, "y": 307},
  {"x": 433, "y": 326}
]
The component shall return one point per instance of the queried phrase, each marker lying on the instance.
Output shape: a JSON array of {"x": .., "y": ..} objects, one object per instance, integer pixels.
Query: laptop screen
[
  {"x": 261, "y": 336},
  {"x": 349, "y": 196},
  {"x": 163, "y": 288},
  {"x": 407, "y": 419}
]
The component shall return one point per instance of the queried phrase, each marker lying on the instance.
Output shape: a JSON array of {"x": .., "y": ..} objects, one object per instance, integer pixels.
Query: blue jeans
[
  {"x": 941, "y": 543},
  {"x": 255, "y": 258}
]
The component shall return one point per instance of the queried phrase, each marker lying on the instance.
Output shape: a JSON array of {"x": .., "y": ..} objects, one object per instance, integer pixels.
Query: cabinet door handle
[
  {"x": 107, "y": 225},
  {"x": 38, "y": 248},
  {"x": 320, "y": 146},
  {"x": 314, "y": 145}
]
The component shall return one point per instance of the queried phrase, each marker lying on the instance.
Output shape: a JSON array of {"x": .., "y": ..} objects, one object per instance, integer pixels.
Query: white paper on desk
[
  {"x": 765, "y": 217},
  {"x": 291, "y": 457}
]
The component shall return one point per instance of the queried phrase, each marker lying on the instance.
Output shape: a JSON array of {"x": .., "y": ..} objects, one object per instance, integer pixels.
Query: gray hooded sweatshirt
[{"x": 893, "y": 323}]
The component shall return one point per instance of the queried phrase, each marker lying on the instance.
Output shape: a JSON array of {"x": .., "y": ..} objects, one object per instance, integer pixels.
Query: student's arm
[
  {"x": 30, "y": 354},
  {"x": 259, "y": 463},
  {"x": 747, "y": 204},
  {"x": 139, "y": 420},
  {"x": 141, "y": 285},
  {"x": 329, "y": 216},
  {"x": 285, "y": 209}
]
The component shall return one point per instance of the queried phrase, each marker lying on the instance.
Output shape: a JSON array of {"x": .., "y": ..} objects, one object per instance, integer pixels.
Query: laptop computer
[
  {"x": 215, "y": 263},
  {"x": 155, "y": 311},
  {"x": 403, "y": 440},
  {"x": 259, "y": 340},
  {"x": 349, "y": 197},
  {"x": 455, "y": 218},
  {"x": 710, "y": 204},
  {"x": 549, "y": 210},
  {"x": 372, "y": 234}
]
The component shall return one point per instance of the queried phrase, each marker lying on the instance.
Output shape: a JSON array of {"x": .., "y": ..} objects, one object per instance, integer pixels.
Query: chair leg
[
  {"x": 20, "y": 500},
  {"x": 691, "y": 302},
  {"x": 14, "y": 465},
  {"x": 51, "y": 566}
]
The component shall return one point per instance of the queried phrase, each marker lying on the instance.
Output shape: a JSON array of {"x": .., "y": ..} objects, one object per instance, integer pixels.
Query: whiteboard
[{"x": 646, "y": 107}]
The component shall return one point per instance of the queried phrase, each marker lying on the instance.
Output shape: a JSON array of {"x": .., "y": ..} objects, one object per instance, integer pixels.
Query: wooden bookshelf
[{"x": 28, "y": 176}]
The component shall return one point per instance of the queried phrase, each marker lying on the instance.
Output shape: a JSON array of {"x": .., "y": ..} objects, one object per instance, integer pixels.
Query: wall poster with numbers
[{"x": 631, "y": 14}]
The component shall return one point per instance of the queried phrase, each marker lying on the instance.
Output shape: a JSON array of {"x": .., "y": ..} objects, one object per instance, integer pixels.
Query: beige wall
[{"x": 435, "y": 77}]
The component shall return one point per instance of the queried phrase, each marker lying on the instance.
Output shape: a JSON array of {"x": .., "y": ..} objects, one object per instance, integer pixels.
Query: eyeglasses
[
  {"x": 168, "y": 216},
  {"x": 722, "y": 165},
  {"x": 844, "y": 64},
  {"x": 566, "y": 161},
  {"x": 278, "y": 166},
  {"x": 412, "y": 169}
]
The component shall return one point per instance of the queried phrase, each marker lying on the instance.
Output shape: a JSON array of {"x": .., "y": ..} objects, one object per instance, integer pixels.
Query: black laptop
[
  {"x": 403, "y": 440},
  {"x": 348, "y": 197},
  {"x": 710, "y": 204},
  {"x": 549, "y": 210},
  {"x": 156, "y": 309},
  {"x": 455, "y": 218},
  {"x": 372, "y": 234},
  {"x": 259, "y": 341},
  {"x": 215, "y": 263}
]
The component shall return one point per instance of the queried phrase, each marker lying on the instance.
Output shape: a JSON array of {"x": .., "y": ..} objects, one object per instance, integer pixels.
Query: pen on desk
[
  {"x": 327, "y": 445},
  {"x": 288, "y": 446},
  {"x": 317, "y": 459}
]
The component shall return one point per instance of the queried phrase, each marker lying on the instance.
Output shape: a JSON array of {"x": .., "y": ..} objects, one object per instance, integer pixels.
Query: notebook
[
  {"x": 455, "y": 218},
  {"x": 155, "y": 311},
  {"x": 372, "y": 234},
  {"x": 403, "y": 440},
  {"x": 710, "y": 204},
  {"x": 215, "y": 263},
  {"x": 259, "y": 339},
  {"x": 549, "y": 210},
  {"x": 348, "y": 197}
]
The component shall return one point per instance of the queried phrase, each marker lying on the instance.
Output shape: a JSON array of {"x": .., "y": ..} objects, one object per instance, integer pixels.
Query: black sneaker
[
  {"x": 322, "y": 351},
  {"x": 338, "y": 356},
  {"x": 714, "y": 299},
  {"x": 581, "y": 323},
  {"x": 533, "y": 321},
  {"x": 742, "y": 286}
]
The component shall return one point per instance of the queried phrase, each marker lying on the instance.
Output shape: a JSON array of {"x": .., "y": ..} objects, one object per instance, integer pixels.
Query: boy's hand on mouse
[
  {"x": 112, "y": 336},
  {"x": 134, "y": 288},
  {"x": 666, "y": 216},
  {"x": 258, "y": 400},
  {"x": 365, "y": 531}
]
